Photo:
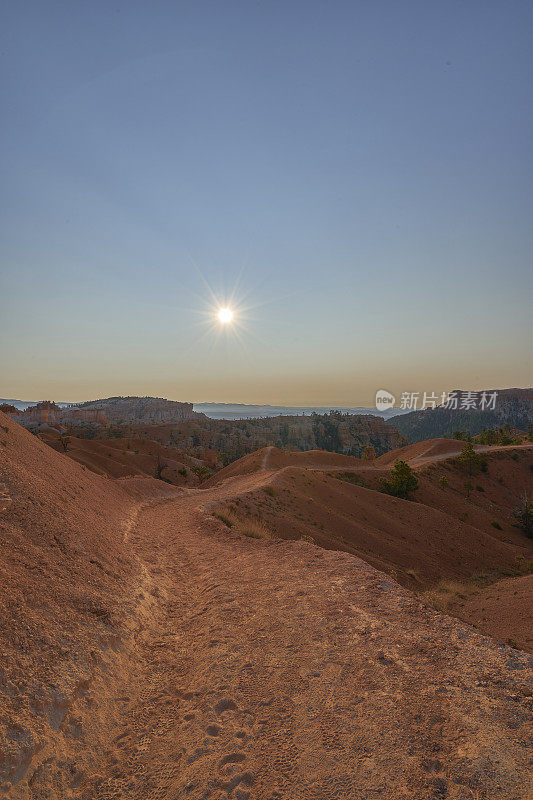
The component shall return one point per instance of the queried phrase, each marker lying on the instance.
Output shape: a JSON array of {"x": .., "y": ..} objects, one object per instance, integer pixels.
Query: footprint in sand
[
  {"x": 213, "y": 730},
  {"x": 232, "y": 758},
  {"x": 227, "y": 704}
]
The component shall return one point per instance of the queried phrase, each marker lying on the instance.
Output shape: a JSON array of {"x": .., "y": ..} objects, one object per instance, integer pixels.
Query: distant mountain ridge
[{"x": 224, "y": 410}]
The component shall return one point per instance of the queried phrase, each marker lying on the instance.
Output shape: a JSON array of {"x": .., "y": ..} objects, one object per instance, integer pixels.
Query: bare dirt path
[
  {"x": 479, "y": 448},
  {"x": 265, "y": 459},
  {"x": 279, "y": 671},
  {"x": 416, "y": 461}
]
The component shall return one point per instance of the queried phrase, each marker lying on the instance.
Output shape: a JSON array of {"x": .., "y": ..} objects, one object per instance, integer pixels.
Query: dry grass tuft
[
  {"x": 447, "y": 593},
  {"x": 251, "y": 527}
]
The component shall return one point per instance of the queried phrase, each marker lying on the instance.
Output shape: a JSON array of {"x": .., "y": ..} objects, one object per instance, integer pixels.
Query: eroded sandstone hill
[
  {"x": 141, "y": 409},
  {"x": 121, "y": 410},
  {"x": 149, "y": 652}
]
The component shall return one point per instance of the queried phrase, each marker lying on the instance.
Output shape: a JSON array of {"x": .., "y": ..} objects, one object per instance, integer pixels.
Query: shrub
[
  {"x": 479, "y": 488},
  {"x": 202, "y": 472},
  {"x": 349, "y": 477},
  {"x": 500, "y": 436},
  {"x": 183, "y": 472},
  {"x": 64, "y": 441},
  {"x": 402, "y": 481},
  {"x": 524, "y": 516},
  {"x": 524, "y": 564},
  {"x": 470, "y": 460},
  {"x": 447, "y": 593},
  {"x": 497, "y": 526},
  {"x": 462, "y": 436},
  {"x": 443, "y": 480}
]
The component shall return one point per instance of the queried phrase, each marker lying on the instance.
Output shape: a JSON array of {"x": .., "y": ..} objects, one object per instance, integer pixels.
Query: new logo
[{"x": 384, "y": 400}]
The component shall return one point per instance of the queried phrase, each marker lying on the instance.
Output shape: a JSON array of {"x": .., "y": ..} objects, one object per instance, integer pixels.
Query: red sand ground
[
  {"x": 443, "y": 534},
  {"x": 505, "y": 609},
  {"x": 149, "y": 652}
]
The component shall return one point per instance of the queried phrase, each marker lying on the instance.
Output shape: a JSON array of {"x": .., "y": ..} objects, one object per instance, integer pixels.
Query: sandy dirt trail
[
  {"x": 268, "y": 670},
  {"x": 479, "y": 448},
  {"x": 414, "y": 462}
]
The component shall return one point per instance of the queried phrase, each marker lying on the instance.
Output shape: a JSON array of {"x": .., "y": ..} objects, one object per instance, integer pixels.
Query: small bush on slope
[
  {"x": 524, "y": 516},
  {"x": 471, "y": 461},
  {"x": 402, "y": 481},
  {"x": 349, "y": 477}
]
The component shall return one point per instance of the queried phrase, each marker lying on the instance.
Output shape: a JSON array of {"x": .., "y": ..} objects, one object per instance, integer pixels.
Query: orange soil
[
  {"x": 502, "y": 609},
  {"x": 131, "y": 455},
  {"x": 427, "y": 449},
  {"x": 442, "y": 535},
  {"x": 272, "y": 458},
  {"x": 149, "y": 652}
]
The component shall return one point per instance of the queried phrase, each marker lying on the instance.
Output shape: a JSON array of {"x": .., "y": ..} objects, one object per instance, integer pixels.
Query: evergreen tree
[{"x": 402, "y": 481}]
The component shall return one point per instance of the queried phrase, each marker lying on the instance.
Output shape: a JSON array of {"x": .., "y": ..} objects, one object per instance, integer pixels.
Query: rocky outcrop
[
  {"x": 7, "y": 408},
  {"x": 48, "y": 413},
  {"x": 155, "y": 410},
  {"x": 359, "y": 435},
  {"x": 115, "y": 410}
]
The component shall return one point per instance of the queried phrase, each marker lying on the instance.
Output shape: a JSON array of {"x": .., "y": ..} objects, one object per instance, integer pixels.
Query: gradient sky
[{"x": 357, "y": 174}]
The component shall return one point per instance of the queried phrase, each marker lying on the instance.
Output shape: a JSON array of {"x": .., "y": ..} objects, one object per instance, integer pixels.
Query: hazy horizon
[{"x": 353, "y": 180}]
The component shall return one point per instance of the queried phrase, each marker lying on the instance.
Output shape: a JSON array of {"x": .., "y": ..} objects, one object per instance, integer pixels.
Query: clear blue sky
[{"x": 362, "y": 170}]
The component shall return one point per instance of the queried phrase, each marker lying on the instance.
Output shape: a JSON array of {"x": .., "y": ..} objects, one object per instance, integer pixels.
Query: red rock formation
[
  {"x": 153, "y": 410},
  {"x": 11, "y": 410},
  {"x": 48, "y": 413}
]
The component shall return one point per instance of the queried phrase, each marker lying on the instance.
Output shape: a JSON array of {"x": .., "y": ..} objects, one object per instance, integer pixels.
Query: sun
[{"x": 225, "y": 315}]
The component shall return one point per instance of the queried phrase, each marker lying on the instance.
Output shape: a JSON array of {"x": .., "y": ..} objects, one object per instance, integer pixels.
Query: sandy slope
[
  {"x": 503, "y": 608},
  {"x": 271, "y": 670},
  {"x": 442, "y": 535},
  {"x": 131, "y": 455},
  {"x": 235, "y": 668}
]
